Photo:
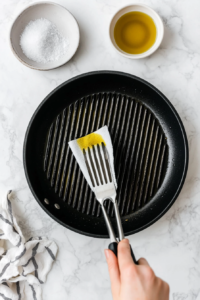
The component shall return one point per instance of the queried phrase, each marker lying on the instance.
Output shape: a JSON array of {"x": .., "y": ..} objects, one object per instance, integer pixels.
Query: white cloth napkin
[
  {"x": 23, "y": 267},
  {"x": 78, "y": 153}
]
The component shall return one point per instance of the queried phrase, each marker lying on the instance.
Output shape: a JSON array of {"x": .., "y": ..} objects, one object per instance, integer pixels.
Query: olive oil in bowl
[{"x": 135, "y": 32}]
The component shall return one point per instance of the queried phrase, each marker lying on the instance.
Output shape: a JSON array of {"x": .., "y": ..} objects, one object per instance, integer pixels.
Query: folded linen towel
[{"x": 23, "y": 267}]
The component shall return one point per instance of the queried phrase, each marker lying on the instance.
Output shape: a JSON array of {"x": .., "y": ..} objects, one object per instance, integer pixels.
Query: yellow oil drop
[
  {"x": 90, "y": 140},
  {"x": 135, "y": 32}
]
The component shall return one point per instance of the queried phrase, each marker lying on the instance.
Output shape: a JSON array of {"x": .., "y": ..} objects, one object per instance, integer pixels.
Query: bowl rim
[
  {"x": 146, "y": 53},
  {"x": 20, "y": 13}
]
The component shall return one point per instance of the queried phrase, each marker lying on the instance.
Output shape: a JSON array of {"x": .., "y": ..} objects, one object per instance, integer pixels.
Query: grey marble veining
[{"x": 172, "y": 245}]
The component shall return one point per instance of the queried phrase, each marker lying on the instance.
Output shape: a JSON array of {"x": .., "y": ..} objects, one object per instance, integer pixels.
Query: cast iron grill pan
[
  {"x": 150, "y": 149},
  {"x": 139, "y": 144}
]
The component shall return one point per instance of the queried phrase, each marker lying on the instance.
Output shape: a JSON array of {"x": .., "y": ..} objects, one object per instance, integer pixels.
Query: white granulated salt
[{"x": 42, "y": 42}]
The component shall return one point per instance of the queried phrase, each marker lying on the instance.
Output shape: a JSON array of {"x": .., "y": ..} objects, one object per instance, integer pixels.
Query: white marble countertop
[{"x": 171, "y": 245}]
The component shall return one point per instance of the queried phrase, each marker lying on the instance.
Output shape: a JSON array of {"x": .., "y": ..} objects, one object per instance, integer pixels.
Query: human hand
[{"x": 133, "y": 282}]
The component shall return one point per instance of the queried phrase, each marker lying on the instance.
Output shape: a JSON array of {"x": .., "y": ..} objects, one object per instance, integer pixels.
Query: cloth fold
[{"x": 23, "y": 267}]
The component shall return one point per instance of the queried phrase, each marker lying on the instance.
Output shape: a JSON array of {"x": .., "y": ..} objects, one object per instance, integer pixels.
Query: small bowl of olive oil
[{"x": 136, "y": 31}]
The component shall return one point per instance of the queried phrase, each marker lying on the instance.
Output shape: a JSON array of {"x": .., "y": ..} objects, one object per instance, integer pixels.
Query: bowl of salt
[{"x": 44, "y": 36}]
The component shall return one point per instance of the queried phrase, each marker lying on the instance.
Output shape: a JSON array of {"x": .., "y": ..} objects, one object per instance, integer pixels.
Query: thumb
[
  {"x": 143, "y": 261},
  {"x": 113, "y": 269}
]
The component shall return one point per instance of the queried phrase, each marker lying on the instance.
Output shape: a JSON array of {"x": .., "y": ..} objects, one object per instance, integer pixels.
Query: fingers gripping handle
[{"x": 113, "y": 248}]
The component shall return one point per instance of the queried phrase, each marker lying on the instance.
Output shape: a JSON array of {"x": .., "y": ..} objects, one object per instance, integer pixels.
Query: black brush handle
[
  {"x": 133, "y": 256},
  {"x": 113, "y": 248}
]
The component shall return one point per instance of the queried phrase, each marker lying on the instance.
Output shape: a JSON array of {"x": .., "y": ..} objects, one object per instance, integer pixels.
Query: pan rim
[{"x": 186, "y": 149}]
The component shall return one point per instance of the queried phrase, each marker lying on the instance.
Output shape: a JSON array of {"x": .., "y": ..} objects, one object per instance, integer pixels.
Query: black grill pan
[{"x": 150, "y": 149}]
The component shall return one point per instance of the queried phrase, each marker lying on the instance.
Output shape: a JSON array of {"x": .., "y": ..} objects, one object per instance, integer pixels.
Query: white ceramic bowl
[
  {"x": 147, "y": 10},
  {"x": 61, "y": 17}
]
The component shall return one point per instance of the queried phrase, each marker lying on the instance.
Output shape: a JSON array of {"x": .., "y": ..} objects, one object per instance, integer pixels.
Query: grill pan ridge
[
  {"x": 140, "y": 151},
  {"x": 150, "y": 150}
]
